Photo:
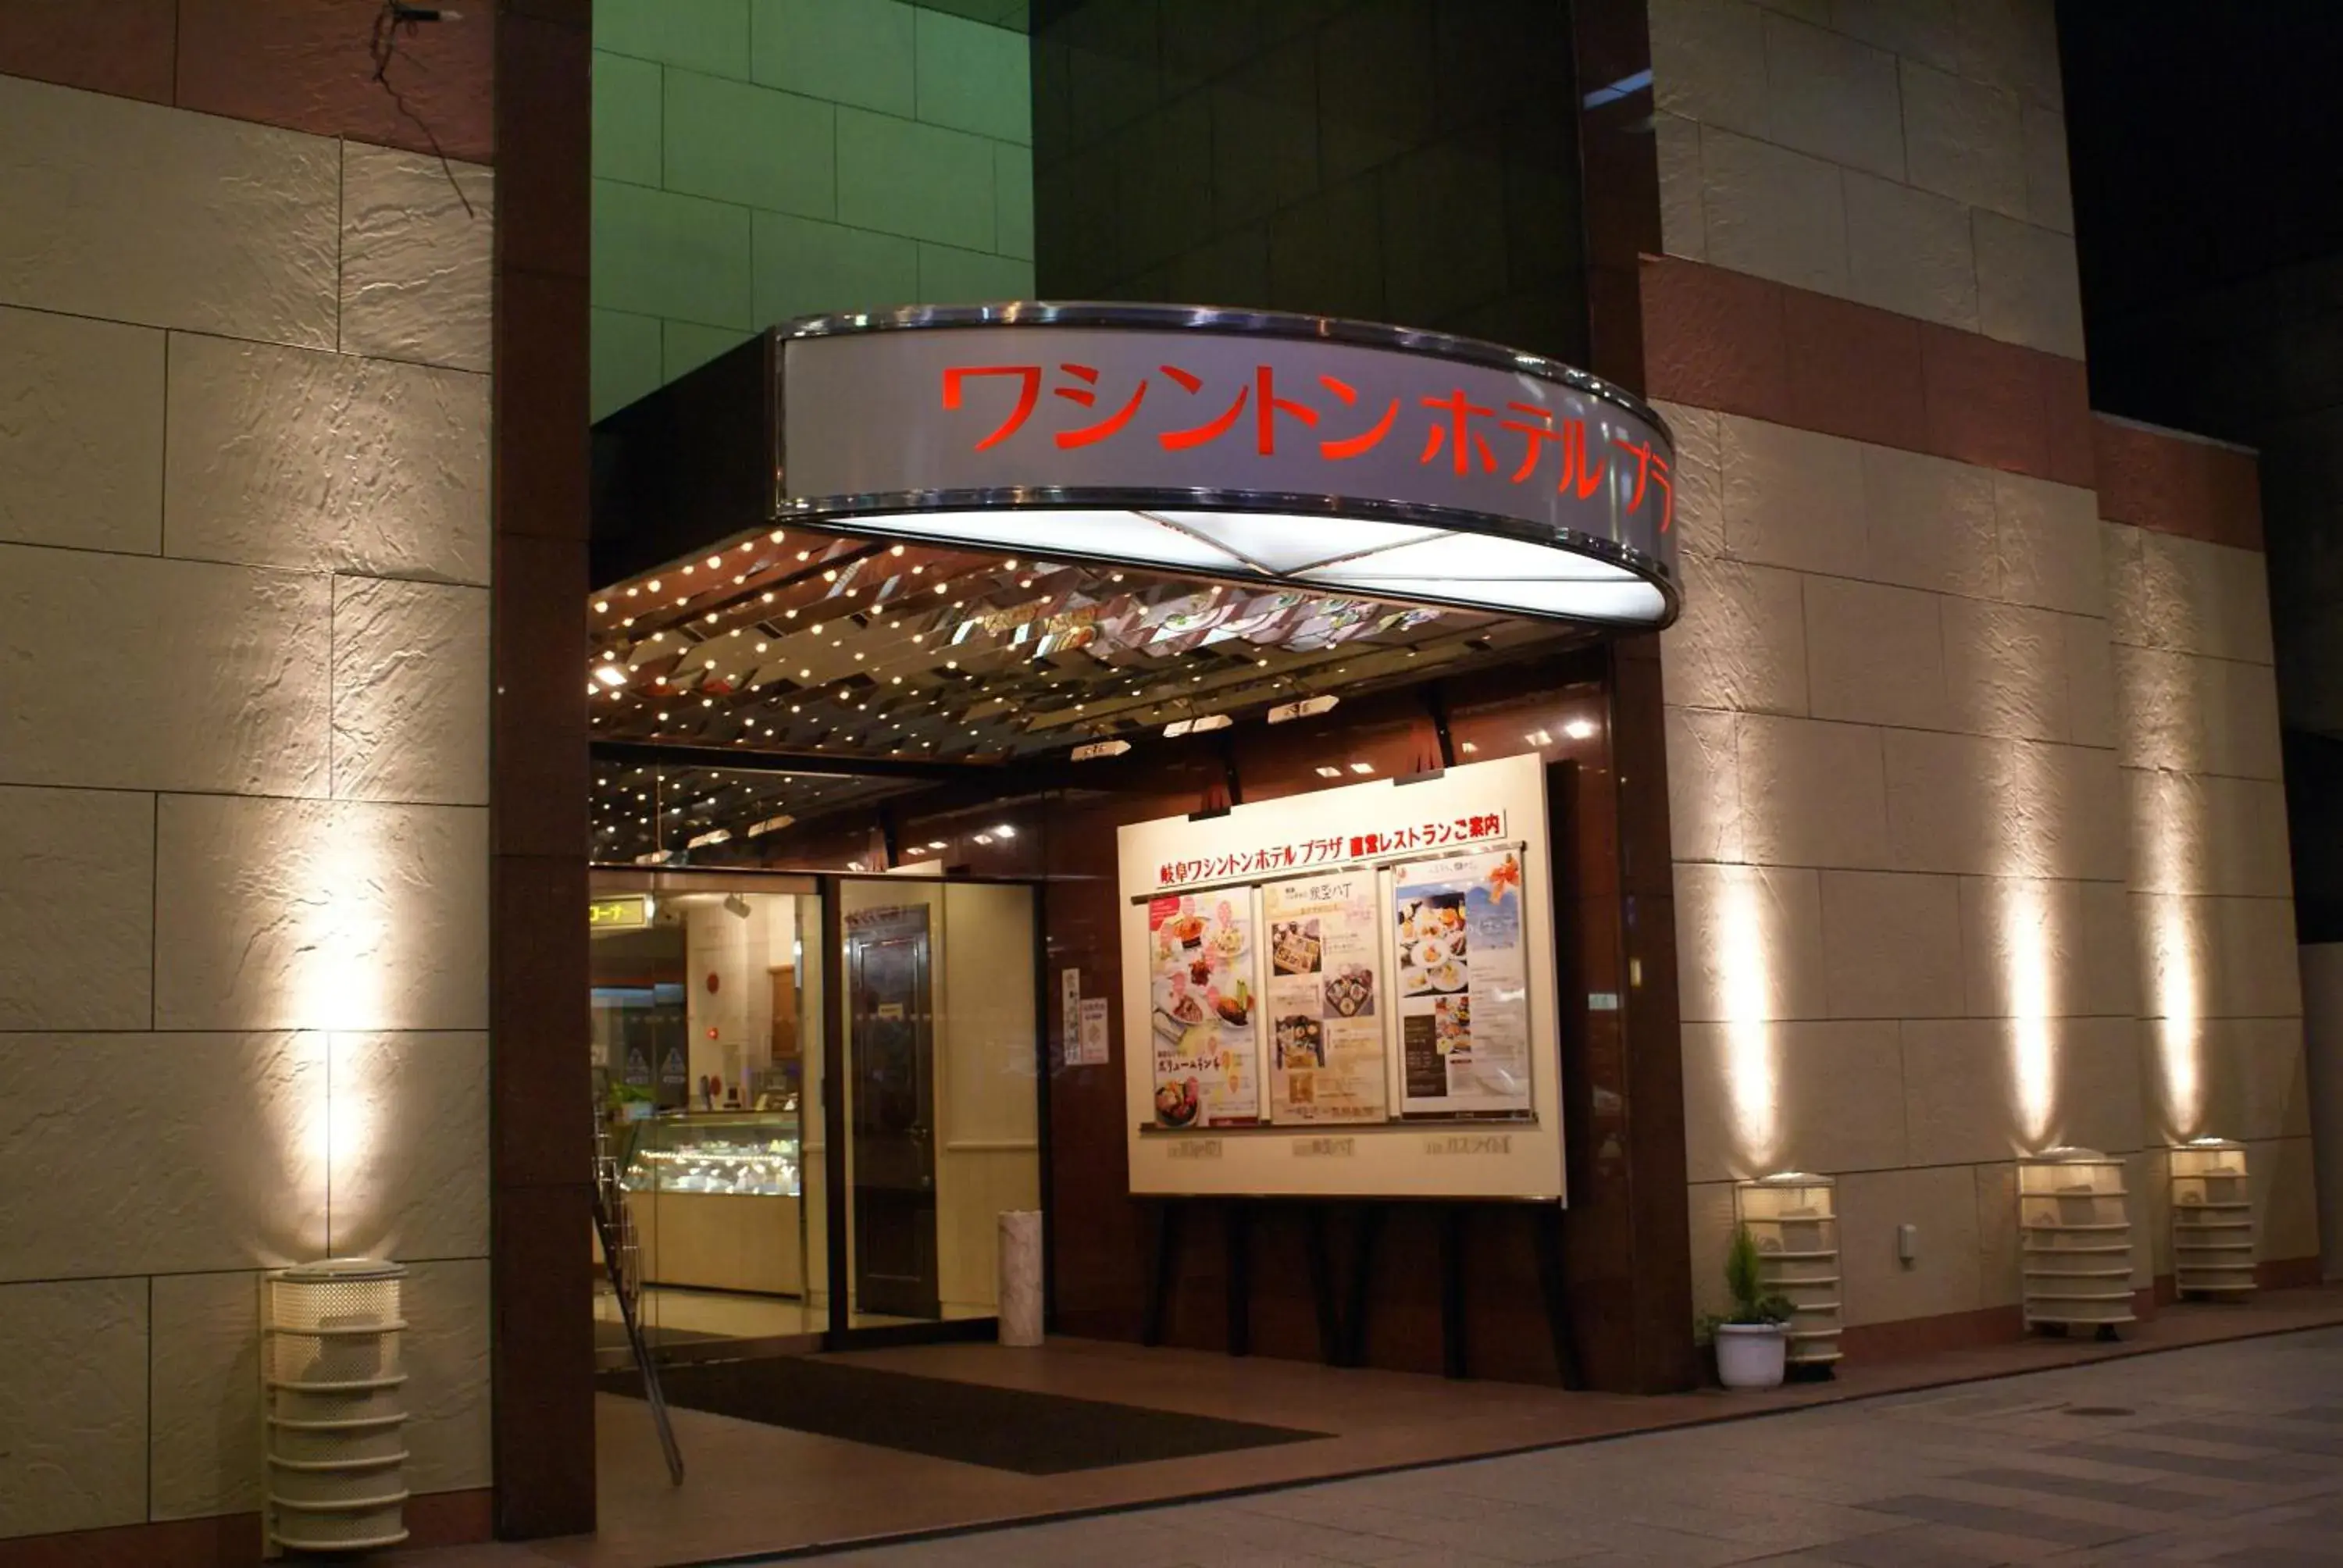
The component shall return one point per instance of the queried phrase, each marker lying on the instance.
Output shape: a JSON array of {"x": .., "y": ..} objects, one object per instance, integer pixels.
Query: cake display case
[{"x": 714, "y": 1201}]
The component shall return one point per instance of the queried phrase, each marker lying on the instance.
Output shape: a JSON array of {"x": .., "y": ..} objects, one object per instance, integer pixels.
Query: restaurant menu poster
[
  {"x": 1325, "y": 1023},
  {"x": 1464, "y": 985},
  {"x": 1203, "y": 1020}
]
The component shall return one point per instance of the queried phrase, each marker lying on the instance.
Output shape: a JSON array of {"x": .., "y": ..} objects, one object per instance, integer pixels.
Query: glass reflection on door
[{"x": 891, "y": 1060}]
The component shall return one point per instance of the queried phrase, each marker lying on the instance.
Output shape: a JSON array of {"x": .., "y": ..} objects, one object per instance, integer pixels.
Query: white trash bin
[{"x": 1021, "y": 1278}]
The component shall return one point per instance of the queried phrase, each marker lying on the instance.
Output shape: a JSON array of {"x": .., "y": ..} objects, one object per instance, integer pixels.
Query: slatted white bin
[
  {"x": 336, "y": 1414},
  {"x": 2076, "y": 1244},
  {"x": 2212, "y": 1220},
  {"x": 1793, "y": 1217}
]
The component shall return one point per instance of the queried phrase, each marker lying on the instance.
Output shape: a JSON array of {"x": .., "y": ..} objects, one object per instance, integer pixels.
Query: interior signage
[{"x": 626, "y": 912}]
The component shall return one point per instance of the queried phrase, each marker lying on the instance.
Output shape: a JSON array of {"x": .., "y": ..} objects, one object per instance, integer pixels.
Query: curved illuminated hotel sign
[{"x": 1333, "y": 455}]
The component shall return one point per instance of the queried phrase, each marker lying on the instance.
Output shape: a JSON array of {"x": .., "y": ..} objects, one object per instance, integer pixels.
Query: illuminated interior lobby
[{"x": 668, "y": 650}]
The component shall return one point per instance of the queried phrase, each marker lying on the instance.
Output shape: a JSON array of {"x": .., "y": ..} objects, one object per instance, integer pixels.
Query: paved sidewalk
[{"x": 2228, "y": 1454}]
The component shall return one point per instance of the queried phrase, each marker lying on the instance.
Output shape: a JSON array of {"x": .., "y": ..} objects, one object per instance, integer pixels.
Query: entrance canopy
[{"x": 1333, "y": 456}]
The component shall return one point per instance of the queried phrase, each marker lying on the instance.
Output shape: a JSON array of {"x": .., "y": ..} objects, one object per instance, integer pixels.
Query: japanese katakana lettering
[
  {"x": 1456, "y": 431},
  {"x": 1539, "y": 425},
  {"x": 1651, "y": 466}
]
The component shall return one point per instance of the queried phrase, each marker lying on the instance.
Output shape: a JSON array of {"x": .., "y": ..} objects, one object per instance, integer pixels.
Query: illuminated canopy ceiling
[{"x": 968, "y": 537}]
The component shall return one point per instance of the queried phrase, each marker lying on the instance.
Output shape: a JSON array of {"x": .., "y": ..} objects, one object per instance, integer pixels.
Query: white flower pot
[{"x": 1751, "y": 1356}]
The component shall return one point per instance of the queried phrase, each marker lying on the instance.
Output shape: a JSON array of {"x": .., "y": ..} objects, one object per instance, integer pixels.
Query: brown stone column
[{"x": 542, "y": 1345}]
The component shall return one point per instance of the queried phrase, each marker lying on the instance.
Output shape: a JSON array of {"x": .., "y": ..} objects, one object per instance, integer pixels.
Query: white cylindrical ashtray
[{"x": 1021, "y": 1278}]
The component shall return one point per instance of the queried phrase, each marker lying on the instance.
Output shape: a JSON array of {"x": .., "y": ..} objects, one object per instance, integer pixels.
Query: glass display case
[
  {"x": 748, "y": 1154},
  {"x": 714, "y": 1201}
]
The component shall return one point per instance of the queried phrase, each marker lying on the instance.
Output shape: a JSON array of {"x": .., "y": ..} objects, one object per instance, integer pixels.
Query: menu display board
[
  {"x": 1464, "y": 986},
  {"x": 1347, "y": 993},
  {"x": 1205, "y": 1038},
  {"x": 1326, "y": 1030}
]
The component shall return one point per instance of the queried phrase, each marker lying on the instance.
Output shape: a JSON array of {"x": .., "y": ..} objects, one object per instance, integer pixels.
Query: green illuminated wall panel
[{"x": 760, "y": 159}]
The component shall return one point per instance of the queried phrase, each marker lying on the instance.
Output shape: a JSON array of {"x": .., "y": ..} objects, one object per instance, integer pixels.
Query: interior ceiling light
[{"x": 1295, "y": 450}]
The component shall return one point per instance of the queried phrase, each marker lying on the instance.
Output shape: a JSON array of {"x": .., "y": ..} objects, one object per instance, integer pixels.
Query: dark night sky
[{"x": 2205, "y": 138}]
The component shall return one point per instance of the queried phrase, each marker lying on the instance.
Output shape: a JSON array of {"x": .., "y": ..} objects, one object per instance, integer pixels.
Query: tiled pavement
[{"x": 2226, "y": 1454}]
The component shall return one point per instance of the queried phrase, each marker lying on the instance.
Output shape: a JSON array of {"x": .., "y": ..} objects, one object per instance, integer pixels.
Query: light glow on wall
[
  {"x": 2027, "y": 944},
  {"x": 1745, "y": 972},
  {"x": 2175, "y": 965}
]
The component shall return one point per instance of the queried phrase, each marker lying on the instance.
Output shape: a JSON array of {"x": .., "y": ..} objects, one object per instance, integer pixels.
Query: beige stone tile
[
  {"x": 1703, "y": 784},
  {"x": 81, "y": 433},
  {"x": 1708, "y": 62},
  {"x": 2203, "y": 833},
  {"x": 1791, "y": 1096},
  {"x": 447, "y": 1352},
  {"x": 2088, "y": 660},
  {"x": 1910, "y": 251},
  {"x": 1740, "y": 644},
  {"x": 1792, "y": 497},
  {"x": 410, "y": 691},
  {"x": 214, "y": 676},
  {"x": 2004, "y": 670},
  {"x": 1711, "y": 1216},
  {"x": 2196, "y": 714},
  {"x": 2101, "y": 1091},
  {"x": 2184, "y": 594},
  {"x": 1891, "y": 945},
  {"x": 1875, "y": 654},
  {"x": 2147, "y": 1180},
  {"x": 2251, "y": 1079},
  {"x": 1832, "y": 96},
  {"x": 1929, "y": 523},
  {"x": 2258, "y": 965},
  {"x": 1772, "y": 213},
  {"x": 282, "y": 457},
  {"x": 302, "y": 914},
  {"x": 1749, "y": 943},
  {"x": 197, "y": 1152},
  {"x": 2050, "y": 548},
  {"x": 1946, "y": 1275},
  {"x": 1964, "y": 140},
  {"x": 1812, "y": 794},
  {"x": 2067, "y": 812},
  {"x": 1961, "y": 1098},
  {"x": 207, "y": 1438},
  {"x": 2049, "y": 198},
  {"x": 134, "y": 212},
  {"x": 73, "y": 1402},
  {"x": 1945, "y": 810},
  {"x": 1999, "y": 1264},
  {"x": 2280, "y": 1176},
  {"x": 1683, "y": 229},
  {"x": 1699, "y": 476},
  {"x": 1923, "y": 30},
  {"x": 2028, "y": 289},
  {"x": 2012, "y": 44},
  {"x": 415, "y": 280},
  {"x": 76, "y": 908},
  {"x": 2047, "y": 948},
  {"x": 410, "y": 1145}
]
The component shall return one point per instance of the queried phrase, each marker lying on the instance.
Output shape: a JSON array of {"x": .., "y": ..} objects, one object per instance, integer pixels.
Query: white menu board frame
[{"x": 1371, "y": 830}]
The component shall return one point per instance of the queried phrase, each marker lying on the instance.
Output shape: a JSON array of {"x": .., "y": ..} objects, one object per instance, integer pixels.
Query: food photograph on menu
[
  {"x": 1326, "y": 1061},
  {"x": 1464, "y": 985},
  {"x": 1206, "y": 1032}
]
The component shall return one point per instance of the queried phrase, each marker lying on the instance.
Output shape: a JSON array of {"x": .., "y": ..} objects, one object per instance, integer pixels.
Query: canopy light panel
[{"x": 1298, "y": 450}]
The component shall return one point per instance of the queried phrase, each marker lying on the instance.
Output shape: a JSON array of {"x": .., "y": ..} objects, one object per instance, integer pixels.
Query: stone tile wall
[
  {"x": 760, "y": 159},
  {"x": 244, "y": 646},
  {"x": 1979, "y": 837}
]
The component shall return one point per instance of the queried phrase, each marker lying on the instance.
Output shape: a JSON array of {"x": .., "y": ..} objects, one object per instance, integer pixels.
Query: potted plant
[{"x": 1752, "y": 1340}]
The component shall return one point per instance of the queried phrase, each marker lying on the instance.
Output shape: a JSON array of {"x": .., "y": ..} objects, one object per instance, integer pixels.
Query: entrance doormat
[{"x": 1000, "y": 1428}]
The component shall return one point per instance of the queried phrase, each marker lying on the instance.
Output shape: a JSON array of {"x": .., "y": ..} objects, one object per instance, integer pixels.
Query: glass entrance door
[{"x": 892, "y": 1058}]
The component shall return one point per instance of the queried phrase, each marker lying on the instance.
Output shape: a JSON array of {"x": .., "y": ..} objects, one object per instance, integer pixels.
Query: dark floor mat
[{"x": 1005, "y": 1429}]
